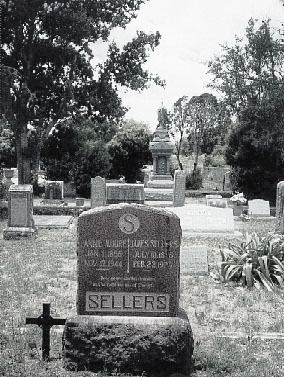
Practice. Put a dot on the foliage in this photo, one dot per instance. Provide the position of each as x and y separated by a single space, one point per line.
216 157
255 150
250 77
47 70
204 121
250 71
93 160
129 151
178 125
193 180
7 149
258 261
76 151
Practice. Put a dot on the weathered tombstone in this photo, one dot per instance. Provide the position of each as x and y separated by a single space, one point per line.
202 219
216 201
179 188
20 212
125 193
279 222
98 192
258 207
80 202
194 260
227 185
128 294
54 190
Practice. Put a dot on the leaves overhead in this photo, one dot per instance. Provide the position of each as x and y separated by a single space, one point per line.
251 71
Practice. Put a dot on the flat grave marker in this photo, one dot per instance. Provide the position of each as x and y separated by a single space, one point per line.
199 218
194 260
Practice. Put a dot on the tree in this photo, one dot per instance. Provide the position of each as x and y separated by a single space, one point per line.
202 119
179 125
46 65
255 150
250 75
251 71
76 151
129 151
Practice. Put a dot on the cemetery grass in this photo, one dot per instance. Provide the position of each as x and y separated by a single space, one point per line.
44 270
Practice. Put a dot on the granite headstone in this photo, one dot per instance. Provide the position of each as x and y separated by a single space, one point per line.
279 221
128 294
98 192
125 193
20 212
128 261
179 188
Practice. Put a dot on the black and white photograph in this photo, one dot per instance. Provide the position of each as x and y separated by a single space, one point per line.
141 188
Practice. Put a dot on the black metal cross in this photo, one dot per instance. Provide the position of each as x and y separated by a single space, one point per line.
45 321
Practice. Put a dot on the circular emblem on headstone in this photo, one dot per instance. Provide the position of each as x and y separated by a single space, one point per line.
129 223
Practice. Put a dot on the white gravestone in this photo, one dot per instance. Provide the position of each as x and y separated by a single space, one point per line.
258 207
197 218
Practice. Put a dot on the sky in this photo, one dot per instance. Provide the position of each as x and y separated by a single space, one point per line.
192 32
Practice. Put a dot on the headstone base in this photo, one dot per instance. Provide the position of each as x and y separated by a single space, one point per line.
161 183
13 233
161 346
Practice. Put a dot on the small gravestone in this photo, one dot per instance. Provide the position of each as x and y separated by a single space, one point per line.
194 260
125 193
202 219
279 221
54 190
218 202
98 192
179 188
80 202
258 207
128 294
20 212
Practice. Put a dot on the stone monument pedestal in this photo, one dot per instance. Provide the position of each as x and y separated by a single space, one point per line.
161 346
20 212
161 148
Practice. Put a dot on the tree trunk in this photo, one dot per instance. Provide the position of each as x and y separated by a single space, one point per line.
195 160
23 159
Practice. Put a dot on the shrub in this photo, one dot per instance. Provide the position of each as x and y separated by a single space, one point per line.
193 180
258 261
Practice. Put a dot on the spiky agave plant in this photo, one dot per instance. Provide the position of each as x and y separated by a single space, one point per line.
257 261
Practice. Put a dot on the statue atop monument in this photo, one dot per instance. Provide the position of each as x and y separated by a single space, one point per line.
163 118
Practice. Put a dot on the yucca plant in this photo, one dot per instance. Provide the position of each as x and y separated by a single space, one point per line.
257 261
